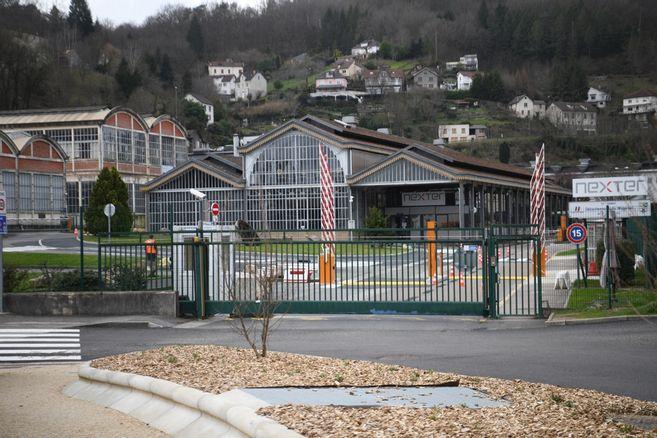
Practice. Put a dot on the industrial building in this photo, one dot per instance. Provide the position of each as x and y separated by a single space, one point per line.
141 148
33 173
273 182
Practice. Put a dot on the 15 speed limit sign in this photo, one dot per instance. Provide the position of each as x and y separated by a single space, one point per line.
576 233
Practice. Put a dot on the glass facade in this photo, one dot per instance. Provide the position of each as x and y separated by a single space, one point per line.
9 182
72 197
175 195
284 186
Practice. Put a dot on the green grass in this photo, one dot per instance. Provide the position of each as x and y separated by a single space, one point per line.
39 259
135 238
316 249
591 302
568 252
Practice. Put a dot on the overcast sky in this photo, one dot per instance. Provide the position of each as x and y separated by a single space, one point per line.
134 11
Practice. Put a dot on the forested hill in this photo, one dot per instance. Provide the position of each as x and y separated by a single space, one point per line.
62 58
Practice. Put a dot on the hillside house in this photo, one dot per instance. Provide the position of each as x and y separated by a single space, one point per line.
250 86
573 116
331 81
525 107
383 81
205 103
597 97
425 77
224 68
639 105
366 48
348 68
462 133
465 62
464 79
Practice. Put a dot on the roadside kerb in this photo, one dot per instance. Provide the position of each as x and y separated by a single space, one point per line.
554 321
176 409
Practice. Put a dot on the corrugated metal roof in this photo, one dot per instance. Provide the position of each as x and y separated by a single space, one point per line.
53 116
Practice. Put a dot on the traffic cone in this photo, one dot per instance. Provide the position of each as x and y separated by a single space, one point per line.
508 251
461 279
75 232
451 272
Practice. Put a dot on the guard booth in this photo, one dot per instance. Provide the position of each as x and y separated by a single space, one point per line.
220 261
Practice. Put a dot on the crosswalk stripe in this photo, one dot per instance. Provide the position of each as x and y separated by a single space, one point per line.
40 345
37 358
20 330
2 339
60 351
37 335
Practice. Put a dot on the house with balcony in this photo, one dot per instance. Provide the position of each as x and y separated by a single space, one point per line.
640 105
573 117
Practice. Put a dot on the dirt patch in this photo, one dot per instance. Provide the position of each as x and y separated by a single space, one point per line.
536 409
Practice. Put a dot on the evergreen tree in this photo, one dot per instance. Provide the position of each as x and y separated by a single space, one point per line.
483 14
568 81
195 36
79 17
127 80
194 117
505 152
109 188
488 87
166 72
186 82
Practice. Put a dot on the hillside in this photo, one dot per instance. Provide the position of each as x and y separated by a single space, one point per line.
48 59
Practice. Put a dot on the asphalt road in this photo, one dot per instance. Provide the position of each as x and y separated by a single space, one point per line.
45 241
617 357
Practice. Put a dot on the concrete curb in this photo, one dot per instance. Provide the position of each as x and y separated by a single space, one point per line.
552 321
176 409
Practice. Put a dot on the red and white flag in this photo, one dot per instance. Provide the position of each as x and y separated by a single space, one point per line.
327 200
537 195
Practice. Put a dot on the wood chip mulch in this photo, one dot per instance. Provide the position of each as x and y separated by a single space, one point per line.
534 410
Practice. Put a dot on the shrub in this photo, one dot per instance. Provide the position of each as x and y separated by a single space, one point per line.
68 281
625 251
128 277
15 280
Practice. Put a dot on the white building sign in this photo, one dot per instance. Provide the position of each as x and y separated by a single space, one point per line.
414 199
598 210
610 187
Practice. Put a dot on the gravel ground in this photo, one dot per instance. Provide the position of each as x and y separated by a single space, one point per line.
32 405
535 409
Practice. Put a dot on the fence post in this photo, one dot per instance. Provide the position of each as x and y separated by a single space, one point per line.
492 275
81 236
608 242
100 275
200 276
539 278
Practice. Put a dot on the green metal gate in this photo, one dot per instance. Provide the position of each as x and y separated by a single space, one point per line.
468 271
514 264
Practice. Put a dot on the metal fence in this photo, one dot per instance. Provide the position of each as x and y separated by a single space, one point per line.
453 271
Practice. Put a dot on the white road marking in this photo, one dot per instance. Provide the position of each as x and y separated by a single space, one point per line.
38 358
40 345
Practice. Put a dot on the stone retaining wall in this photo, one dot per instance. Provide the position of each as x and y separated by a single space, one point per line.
157 303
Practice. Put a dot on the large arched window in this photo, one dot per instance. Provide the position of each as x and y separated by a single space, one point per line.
284 186
292 159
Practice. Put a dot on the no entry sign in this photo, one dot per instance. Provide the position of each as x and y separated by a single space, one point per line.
214 209
576 233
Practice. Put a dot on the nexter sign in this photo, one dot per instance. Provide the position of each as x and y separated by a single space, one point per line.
621 186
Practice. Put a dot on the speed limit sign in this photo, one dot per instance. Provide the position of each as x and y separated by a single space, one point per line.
576 233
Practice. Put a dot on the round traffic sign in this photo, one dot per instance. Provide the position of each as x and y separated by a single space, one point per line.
576 233
109 210
215 209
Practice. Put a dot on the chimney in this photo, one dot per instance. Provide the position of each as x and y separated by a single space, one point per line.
236 145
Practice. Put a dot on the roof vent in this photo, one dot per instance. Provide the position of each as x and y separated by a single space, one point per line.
439 142
383 130
584 164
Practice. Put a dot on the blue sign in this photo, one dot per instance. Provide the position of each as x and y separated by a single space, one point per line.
3 224
576 233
